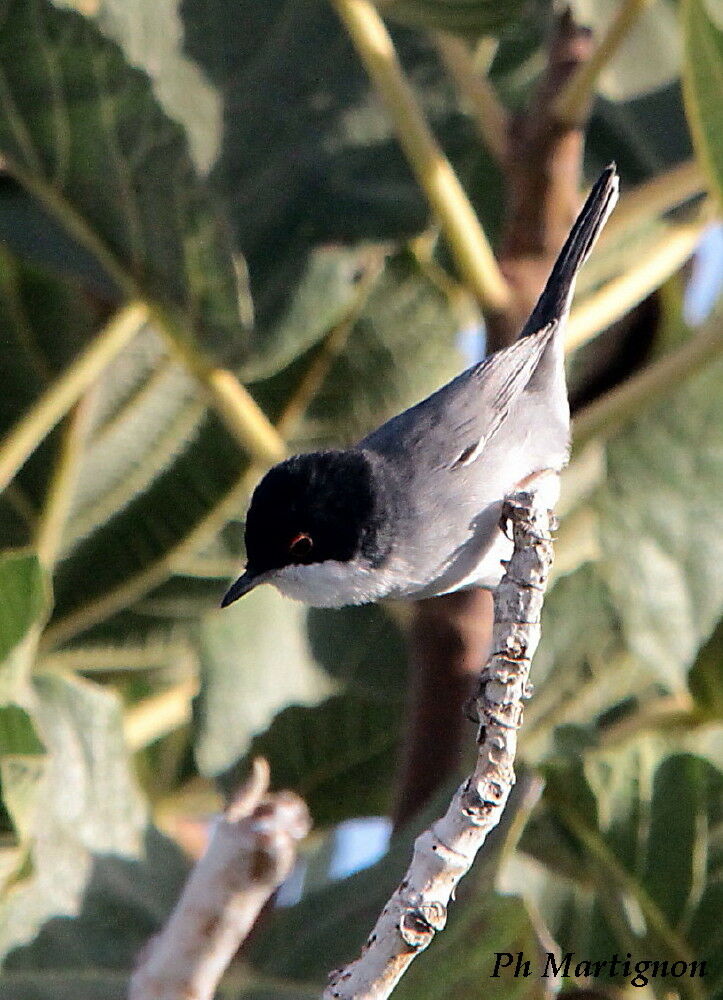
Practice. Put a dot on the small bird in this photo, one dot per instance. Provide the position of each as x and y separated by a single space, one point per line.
414 509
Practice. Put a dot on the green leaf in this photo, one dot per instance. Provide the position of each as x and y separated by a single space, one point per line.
255 660
662 537
400 350
151 38
648 57
21 597
340 756
81 131
640 829
87 803
17 733
581 669
287 325
705 679
362 647
703 79
58 984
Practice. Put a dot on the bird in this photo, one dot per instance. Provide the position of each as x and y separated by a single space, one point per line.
413 510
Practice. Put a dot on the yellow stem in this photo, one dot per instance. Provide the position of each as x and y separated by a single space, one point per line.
488 112
61 395
571 106
62 484
153 575
606 414
330 348
242 416
468 243
648 201
159 714
616 298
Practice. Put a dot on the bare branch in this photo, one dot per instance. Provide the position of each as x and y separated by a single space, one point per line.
251 852
444 853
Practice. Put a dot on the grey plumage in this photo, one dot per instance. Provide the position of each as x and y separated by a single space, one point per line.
434 476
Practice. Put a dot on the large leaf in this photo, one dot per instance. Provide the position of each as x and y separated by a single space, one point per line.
703 75
255 660
474 17
662 553
308 160
81 131
340 756
91 952
151 37
620 823
648 57
86 803
581 669
361 647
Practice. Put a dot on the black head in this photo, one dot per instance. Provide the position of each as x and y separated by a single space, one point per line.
311 508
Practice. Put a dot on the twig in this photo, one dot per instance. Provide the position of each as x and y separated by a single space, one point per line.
488 112
467 241
251 852
653 198
619 295
606 414
572 105
444 853
159 714
330 348
49 534
61 395
240 413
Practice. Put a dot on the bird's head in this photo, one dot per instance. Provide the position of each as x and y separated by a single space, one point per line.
315 521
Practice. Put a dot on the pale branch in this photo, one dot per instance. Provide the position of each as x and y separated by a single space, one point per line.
467 242
252 850
444 853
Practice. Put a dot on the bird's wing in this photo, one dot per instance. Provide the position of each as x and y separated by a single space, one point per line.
454 424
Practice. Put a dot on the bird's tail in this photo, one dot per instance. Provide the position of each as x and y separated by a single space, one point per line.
556 298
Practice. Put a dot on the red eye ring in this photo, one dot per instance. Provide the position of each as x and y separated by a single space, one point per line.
301 545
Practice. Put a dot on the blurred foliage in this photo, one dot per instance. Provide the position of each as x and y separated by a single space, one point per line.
228 165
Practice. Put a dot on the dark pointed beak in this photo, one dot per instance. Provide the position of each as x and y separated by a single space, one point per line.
242 586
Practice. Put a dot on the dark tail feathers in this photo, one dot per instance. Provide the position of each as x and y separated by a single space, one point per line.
555 300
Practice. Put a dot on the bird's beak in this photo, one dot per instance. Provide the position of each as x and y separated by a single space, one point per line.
243 585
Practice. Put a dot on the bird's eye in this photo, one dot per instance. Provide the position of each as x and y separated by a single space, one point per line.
300 547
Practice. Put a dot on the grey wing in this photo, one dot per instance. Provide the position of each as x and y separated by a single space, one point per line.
453 426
